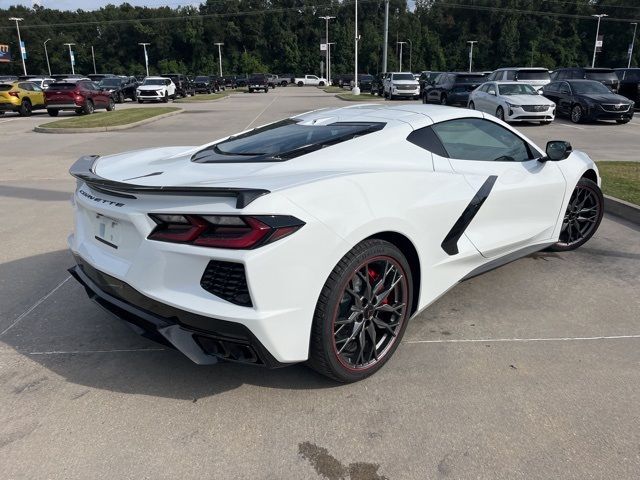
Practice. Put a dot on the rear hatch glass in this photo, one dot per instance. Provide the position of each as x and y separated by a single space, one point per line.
602 75
62 86
533 75
470 78
5 87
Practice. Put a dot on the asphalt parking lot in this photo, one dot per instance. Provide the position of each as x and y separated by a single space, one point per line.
531 371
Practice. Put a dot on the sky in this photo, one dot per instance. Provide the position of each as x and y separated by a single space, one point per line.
94 4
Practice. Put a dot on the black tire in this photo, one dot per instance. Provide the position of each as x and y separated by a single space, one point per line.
424 98
1 113
321 84
301 84
111 105
25 108
88 108
120 98
576 114
472 105
500 113
140 100
251 90
582 217
623 121
165 99
546 122
443 99
378 316
53 112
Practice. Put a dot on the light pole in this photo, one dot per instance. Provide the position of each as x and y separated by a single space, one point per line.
410 55
46 54
595 44
146 57
471 44
71 59
633 41
326 18
356 88
16 19
386 36
400 56
220 55
93 56
329 60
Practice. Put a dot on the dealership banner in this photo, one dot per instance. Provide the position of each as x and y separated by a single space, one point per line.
5 53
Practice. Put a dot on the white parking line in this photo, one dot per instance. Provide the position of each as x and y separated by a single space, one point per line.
260 114
549 339
570 126
34 306
6 121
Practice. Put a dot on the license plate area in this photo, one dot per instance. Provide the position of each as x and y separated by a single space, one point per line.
107 231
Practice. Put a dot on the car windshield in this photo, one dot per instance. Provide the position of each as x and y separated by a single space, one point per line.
516 89
602 75
589 87
403 76
154 81
470 79
110 82
533 75
281 141
202 79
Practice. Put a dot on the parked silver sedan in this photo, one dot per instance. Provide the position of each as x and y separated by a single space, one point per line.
512 102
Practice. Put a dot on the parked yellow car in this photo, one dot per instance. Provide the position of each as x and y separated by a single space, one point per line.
21 97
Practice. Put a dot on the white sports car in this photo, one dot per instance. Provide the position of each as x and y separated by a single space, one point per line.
318 237
512 102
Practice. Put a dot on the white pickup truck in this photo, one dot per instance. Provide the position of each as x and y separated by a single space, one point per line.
310 80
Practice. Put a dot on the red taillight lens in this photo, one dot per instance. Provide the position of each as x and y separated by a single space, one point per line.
223 231
15 94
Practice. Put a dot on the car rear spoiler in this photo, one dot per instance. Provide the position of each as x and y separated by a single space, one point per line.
83 170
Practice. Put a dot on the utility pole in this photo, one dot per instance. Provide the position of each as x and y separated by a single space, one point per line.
329 60
20 46
595 45
633 41
93 56
400 56
46 54
220 55
471 44
386 36
146 57
356 88
326 18
71 58
410 54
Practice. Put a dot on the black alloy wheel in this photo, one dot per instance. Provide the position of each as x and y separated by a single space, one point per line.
111 105
500 113
576 114
87 108
362 312
25 108
120 97
582 217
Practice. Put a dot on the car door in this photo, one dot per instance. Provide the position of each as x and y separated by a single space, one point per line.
491 99
100 97
37 96
521 197
565 98
433 95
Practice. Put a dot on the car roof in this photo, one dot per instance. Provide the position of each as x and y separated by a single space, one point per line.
523 68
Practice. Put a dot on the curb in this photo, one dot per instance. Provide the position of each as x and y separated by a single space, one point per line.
375 99
620 208
204 101
107 129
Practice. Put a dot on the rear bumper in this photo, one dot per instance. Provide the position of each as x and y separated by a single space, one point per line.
204 340
62 106
8 107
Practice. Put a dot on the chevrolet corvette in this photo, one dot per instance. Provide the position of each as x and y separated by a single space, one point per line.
317 238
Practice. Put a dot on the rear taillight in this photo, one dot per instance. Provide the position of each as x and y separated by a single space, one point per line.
15 94
223 231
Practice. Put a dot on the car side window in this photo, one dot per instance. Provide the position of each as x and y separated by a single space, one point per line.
551 87
481 140
427 139
565 88
25 86
491 89
511 75
35 88
492 77
167 82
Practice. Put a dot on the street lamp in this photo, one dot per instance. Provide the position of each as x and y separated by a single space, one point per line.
93 56
633 41
16 19
595 45
73 71
356 88
471 44
146 57
326 18
46 54
220 55
400 56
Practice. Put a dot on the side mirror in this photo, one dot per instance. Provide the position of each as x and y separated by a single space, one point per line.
557 150
493 92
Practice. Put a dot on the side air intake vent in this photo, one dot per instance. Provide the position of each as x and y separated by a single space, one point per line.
227 280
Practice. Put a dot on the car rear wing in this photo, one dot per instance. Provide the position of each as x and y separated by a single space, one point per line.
83 169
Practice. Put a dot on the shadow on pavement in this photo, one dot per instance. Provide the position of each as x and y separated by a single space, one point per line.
67 323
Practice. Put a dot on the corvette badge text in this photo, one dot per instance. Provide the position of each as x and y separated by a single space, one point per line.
100 200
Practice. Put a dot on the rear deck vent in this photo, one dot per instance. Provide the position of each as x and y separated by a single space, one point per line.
228 281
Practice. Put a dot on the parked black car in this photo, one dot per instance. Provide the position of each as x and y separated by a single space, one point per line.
584 100
203 84
98 77
120 88
377 84
453 88
345 80
183 86
629 84
219 83
606 76
427 80
241 81
258 81
364 82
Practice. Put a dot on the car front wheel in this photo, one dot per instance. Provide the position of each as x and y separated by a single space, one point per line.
111 105
576 114
362 312
582 216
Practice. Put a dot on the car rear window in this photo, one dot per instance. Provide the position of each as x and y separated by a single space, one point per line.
470 78
533 75
5 87
601 75
282 141
62 86
201 79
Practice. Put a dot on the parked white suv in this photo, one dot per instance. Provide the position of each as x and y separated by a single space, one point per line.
534 76
156 89
401 84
